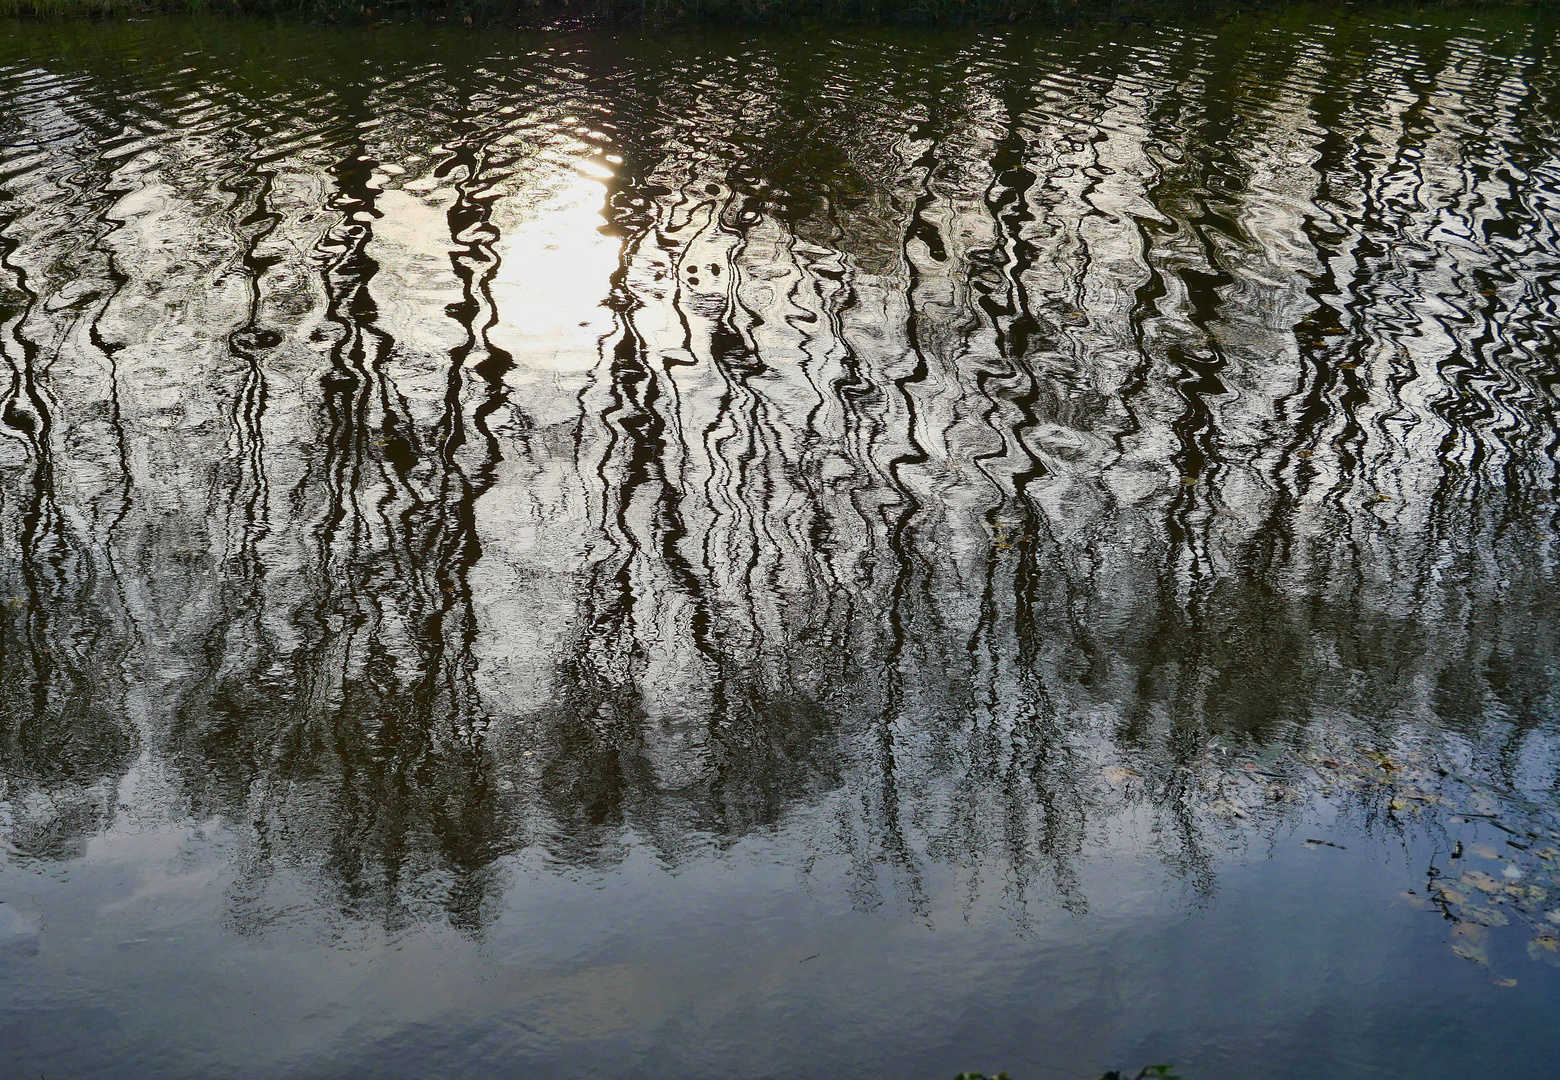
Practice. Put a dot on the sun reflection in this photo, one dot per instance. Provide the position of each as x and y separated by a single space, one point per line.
555 271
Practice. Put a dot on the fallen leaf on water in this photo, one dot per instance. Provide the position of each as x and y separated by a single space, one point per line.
1484 851
1545 948
1478 879
1552 916
1226 809
1449 894
1469 942
1485 916
1398 804
1505 982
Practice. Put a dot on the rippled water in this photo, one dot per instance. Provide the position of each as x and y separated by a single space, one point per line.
780 556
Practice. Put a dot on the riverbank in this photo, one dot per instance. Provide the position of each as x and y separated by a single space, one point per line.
577 13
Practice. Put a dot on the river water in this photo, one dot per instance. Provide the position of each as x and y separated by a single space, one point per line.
798 554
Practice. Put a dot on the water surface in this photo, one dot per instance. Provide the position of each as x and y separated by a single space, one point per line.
790 555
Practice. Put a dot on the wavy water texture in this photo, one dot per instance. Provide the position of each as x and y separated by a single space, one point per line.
981 441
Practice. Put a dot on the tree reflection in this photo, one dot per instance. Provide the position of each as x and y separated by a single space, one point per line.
64 736
972 466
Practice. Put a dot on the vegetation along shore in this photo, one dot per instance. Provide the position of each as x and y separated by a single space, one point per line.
579 13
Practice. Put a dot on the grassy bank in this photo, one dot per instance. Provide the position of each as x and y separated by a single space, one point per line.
670 12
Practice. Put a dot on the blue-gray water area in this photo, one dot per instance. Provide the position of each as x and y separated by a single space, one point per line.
781 554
